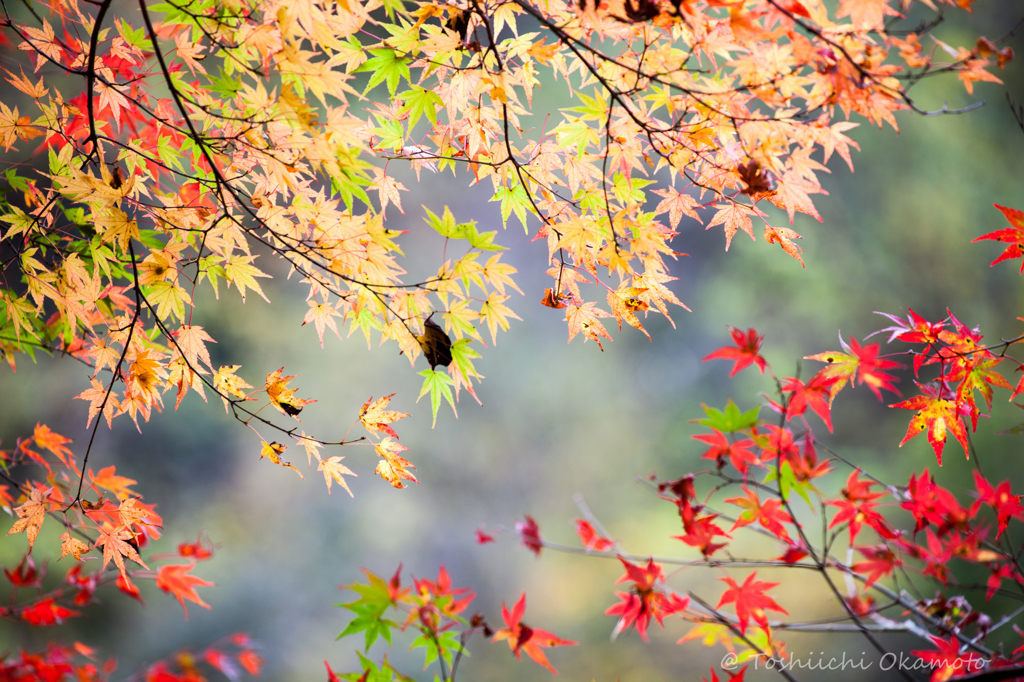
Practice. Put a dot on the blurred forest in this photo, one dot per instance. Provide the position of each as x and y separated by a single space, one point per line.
556 419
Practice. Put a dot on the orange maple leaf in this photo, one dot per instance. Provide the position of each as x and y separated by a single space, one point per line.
282 398
936 415
54 442
108 480
115 548
31 515
174 579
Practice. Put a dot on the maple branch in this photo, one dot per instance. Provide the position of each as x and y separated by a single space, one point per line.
115 372
90 76
944 110
1017 110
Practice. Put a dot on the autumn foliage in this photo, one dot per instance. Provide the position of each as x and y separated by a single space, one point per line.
157 150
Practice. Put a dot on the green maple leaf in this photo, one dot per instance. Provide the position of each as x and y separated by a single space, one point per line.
438 384
513 199
385 65
729 420
420 101
169 299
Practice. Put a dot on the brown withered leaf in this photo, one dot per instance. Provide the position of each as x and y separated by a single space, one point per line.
436 344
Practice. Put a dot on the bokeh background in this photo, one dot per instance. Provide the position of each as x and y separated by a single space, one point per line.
557 419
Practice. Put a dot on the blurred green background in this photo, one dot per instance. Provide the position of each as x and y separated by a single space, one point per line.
556 419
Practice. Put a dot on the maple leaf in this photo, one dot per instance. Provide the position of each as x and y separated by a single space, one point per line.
1013 235
273 451
322 316
783 236
47 612
191 341
739 674
392 466
881 562
175 579
129 588
677 204
590 538
857 507
72 546
375 418
529 534
815 394
768 513
746 352
523 638
435 344
859 363
198 550
978 375
739 452
583 319
55 443
113 541
108 479
647 598
948 661
334 470
31 515
750 600
936 415
225 381
25 574
701 532
282 398
734 217
1004 503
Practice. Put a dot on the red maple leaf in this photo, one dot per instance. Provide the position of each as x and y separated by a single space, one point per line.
590 538
815 394
858 507
646 598
948 661
1013 235
200 550
439 596
733 676
25 574
750 601
746 352
522 638
932 504
701 532
739 452
915 329
881 562
529 532
47 612
1005 504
